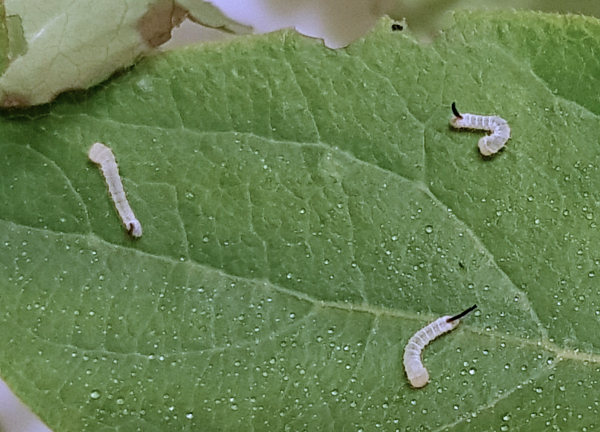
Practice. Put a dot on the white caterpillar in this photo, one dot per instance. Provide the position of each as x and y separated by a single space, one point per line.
489 144
415 371
104 157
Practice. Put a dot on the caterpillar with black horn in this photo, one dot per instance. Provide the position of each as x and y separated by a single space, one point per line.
415 370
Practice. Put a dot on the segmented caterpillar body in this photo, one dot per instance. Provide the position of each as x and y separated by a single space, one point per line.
415 370
103 156
490 144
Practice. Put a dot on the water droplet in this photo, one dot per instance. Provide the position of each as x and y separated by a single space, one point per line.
95 394
428 229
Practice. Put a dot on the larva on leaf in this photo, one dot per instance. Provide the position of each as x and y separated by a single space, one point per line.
489 144
415 370
103 156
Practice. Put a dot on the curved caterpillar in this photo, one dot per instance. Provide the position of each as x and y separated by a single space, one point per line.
103 156
415 371
489 144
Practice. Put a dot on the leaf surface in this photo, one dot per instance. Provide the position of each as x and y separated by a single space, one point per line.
305 211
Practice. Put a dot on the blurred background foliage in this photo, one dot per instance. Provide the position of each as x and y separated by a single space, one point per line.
338 22
427 17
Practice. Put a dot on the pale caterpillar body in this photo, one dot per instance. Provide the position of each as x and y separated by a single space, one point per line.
415 370
489 144
103 156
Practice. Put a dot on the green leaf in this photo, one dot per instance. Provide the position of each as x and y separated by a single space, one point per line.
57 45
305 211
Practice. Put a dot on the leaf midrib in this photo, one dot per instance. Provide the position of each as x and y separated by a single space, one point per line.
377 311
